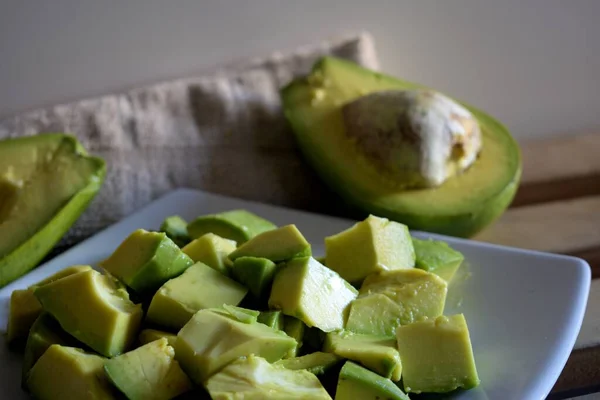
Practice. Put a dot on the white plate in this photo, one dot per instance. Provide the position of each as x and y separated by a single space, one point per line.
524 308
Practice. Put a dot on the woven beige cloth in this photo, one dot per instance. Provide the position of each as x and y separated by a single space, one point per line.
223 132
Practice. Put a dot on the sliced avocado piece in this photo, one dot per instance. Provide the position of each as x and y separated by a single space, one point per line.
176 229
317 363
356 382
150 335
211 250
25 307
420 294
273 319
237 225
311 292
95 309
462 206
211 340
437 355
378 353
253 378
69 373
374 314
198 287
53 180
279 244
437 257
373 245
244 315
255 273
148 372
294 328
146 260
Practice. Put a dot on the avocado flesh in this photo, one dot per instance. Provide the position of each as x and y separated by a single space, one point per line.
211 340
462 206
279 244
197 288
375 314
148 372
253 378
176 229
211 250
437 355
356 382
94 309
150 335
437 257
317 363
255 273
237 225
56 180
294 328
273 319
69 373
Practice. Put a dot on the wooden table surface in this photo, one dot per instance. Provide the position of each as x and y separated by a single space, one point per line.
557 209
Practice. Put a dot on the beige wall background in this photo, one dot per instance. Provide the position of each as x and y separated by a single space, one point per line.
535 64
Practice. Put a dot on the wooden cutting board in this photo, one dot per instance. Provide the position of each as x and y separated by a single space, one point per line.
557 209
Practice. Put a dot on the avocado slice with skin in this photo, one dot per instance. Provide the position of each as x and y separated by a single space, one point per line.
255 273
438 257
211 250
150 335
317 363
176 229
461 206
50 180
356 382
148 372
95 309
237 225
253 378
277 245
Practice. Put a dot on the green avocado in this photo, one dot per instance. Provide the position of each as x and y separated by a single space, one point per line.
437 257
244 315
237 225
46 182
176 229
213 339
319 297
211 250
255 273
437 355
378 353
375 314
294 328
148 372
461 206
317 363
198 287
273 319
253 378
373 245
69 373
95 309
150 335
279 244
356 382
146 260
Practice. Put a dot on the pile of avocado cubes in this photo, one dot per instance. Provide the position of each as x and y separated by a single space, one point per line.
231 306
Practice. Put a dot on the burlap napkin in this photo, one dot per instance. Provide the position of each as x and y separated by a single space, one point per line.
223 133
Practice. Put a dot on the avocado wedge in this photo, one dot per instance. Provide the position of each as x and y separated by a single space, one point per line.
46 182
461 206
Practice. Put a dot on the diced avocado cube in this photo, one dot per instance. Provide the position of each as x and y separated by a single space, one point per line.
317 363
420 294
437 355
148 372
244 315
150 335
93 308
273 319
255 273
176 229
45 332
69 373
237 225
25 307
294 328
374 314
356 382
198 287
373 245
211 250
146 260
253 378
211 340
437 257
279 244
377 353
319 297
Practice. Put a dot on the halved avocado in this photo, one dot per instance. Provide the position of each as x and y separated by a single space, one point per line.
461 206
46 182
